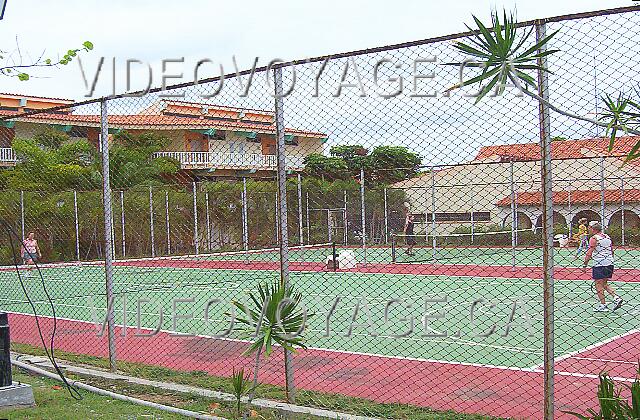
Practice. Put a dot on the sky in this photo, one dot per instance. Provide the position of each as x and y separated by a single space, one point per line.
153 30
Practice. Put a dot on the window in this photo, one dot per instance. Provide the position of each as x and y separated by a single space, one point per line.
236 147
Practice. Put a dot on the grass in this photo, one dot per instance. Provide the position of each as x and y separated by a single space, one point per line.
200 379
54 402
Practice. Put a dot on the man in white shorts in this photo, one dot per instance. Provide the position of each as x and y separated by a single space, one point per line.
601 252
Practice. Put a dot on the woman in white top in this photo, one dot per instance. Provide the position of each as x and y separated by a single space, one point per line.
601 252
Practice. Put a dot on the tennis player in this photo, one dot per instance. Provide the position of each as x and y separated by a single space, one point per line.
410 239
601 253
582 237
30 250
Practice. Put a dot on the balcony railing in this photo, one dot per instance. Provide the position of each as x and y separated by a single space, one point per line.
211 160
7 156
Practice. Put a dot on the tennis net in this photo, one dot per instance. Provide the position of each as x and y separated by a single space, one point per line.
480 247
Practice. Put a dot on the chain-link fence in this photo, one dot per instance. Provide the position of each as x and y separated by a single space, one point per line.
437 242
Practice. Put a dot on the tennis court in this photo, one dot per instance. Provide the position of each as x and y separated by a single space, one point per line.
470 318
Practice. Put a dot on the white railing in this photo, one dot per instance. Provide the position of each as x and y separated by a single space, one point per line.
230 160
7 155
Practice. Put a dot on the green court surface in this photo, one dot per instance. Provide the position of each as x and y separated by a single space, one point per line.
482 320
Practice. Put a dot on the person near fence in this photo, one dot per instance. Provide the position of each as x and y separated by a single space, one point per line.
582 237
600 252
410 239
30 250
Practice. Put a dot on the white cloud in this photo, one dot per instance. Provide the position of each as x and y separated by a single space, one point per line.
153 30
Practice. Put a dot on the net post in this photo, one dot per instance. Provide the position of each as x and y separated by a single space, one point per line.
622 209
166 221
386 218
208 221
108 255
513 216
245 227
300 221
124 238
196 238
393 247
363 217
151 224
22 214
335 255
75 217
433 214
282 213
547 227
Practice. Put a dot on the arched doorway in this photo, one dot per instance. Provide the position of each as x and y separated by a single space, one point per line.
631 220
522 221
590 215
559 221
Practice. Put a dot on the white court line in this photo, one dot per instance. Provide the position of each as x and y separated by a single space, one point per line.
591 347
375 355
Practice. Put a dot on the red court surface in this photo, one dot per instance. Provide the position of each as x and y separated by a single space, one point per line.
497 391
454 270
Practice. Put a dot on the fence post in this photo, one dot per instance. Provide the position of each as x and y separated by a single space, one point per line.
602 189
329 226
108 255
473 227
622 208
345 220
363 217
124 238
282 205
300 221
196 239
22 214
206 203
569 205
151 227
308 222
513 216
245 224
386 218
547 227
75 215
433 214
166 221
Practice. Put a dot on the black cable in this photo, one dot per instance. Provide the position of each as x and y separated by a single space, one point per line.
73 391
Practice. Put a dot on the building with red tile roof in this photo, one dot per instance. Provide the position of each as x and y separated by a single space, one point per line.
589 180
209 140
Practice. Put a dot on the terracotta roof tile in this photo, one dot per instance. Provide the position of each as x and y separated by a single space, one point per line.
150 121
534 198
562 149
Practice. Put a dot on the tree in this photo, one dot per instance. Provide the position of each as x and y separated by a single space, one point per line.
330 168
504 58
73 164
355 156
383 165
389 164
275 316
131 159
14 64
